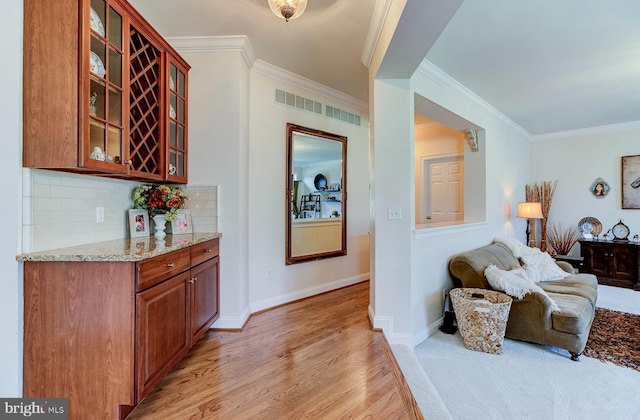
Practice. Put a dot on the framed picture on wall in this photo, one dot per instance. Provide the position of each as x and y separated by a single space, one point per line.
182 224
599 188
138 223
631 182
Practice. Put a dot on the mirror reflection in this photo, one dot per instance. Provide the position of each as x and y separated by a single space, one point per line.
316 196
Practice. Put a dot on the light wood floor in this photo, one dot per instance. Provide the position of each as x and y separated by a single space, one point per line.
315 358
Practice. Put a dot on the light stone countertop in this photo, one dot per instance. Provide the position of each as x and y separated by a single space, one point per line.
128 249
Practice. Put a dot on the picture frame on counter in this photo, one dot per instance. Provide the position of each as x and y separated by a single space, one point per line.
138 223
183 223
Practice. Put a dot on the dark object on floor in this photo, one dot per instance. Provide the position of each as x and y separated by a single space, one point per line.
449 325
614 338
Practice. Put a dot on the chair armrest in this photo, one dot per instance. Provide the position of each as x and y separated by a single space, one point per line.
533 305
566 267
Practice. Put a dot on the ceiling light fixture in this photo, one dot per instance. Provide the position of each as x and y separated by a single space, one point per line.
288 9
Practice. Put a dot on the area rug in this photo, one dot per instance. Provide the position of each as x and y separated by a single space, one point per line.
615 338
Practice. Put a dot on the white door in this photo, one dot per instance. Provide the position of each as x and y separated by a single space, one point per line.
442 193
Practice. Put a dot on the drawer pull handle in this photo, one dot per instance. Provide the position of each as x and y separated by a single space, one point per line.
207 250
171 265
193 279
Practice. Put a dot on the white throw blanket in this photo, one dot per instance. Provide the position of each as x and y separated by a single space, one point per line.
538 265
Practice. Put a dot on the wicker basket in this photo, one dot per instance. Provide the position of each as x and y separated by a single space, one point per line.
482 318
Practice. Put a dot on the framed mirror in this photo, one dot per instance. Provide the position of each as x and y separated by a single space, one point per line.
316 196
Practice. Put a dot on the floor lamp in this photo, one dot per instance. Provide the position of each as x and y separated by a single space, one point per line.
529 211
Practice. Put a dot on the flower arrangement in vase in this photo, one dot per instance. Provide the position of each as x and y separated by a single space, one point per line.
161 201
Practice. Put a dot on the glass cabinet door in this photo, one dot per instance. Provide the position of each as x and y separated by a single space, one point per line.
177 147
105 95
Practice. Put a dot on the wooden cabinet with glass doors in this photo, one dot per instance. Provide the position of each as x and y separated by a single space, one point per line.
177 139
104 93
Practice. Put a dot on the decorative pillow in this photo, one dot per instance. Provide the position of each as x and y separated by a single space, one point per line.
517 248
515 283
541 267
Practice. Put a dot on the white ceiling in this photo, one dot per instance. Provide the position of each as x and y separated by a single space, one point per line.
549 65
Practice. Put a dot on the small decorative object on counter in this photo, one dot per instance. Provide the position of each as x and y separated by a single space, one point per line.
636 238
160 223
159 200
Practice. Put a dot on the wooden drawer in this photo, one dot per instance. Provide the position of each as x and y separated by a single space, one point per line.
154 270
204 251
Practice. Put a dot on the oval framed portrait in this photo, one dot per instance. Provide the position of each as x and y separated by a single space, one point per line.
600 188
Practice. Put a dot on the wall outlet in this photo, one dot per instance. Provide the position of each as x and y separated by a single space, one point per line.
99 214
269 274
395 213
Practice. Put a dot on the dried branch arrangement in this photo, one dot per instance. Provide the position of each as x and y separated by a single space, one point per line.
543 194
561 238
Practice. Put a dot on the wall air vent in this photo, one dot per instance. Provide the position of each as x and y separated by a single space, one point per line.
296 101
338 114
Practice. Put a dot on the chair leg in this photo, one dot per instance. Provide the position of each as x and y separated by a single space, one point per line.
575 356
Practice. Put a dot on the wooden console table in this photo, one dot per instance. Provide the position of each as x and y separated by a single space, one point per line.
615 263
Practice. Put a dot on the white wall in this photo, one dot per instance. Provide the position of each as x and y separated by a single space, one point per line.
412 266
505 150
576 161
219 155
11 174
267 198
237 135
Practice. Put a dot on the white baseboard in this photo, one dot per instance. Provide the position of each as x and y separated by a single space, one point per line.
304 293
385 323
231 322
427 332
237 322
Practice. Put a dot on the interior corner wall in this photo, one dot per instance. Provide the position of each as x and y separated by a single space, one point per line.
392 184
11 292
576 161
271 281
219 155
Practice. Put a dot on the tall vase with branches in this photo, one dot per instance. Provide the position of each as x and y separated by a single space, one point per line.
541 193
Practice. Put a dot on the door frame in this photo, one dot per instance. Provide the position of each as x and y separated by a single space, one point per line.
421 189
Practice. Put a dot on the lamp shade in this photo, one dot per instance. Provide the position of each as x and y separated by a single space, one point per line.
529 210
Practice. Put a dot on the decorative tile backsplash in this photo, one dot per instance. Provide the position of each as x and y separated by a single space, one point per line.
203 202
59 209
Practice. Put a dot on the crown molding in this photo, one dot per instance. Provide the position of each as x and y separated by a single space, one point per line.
586 131
375 29
241 44
434 73
203 44
308 84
